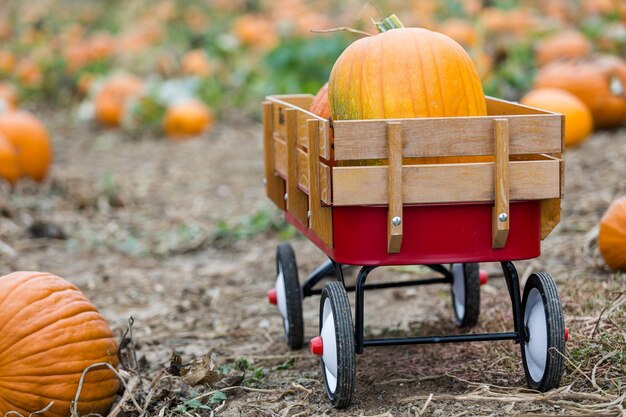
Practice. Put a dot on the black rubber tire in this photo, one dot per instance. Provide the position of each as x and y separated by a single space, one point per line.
471 273
344 335
286 259
555 325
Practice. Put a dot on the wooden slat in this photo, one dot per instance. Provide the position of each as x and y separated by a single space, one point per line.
394 146
298 100
297 201
280 158
445 183
321 220
274 185
500 215
447 136
550 215
325 138
497 107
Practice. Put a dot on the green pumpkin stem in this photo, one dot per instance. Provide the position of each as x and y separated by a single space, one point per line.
388 23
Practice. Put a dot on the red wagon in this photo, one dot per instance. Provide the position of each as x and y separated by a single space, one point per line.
447 193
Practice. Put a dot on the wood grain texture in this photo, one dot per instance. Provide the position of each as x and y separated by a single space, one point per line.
394 185
445 183
274 185
280 157
297 200
446 136
500 229
321 220
497 107
550 215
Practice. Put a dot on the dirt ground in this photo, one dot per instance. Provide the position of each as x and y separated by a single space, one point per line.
164 233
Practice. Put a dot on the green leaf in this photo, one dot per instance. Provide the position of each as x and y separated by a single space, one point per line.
217 397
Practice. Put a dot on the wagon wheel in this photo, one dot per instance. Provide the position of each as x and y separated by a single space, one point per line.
288 295
335 345
542 352
465 292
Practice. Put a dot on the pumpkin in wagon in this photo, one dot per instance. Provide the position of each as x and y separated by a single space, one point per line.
406 73
50 334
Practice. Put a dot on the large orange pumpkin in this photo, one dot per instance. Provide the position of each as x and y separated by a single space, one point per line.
599 82
320 105
612 235
50 334
403 73
9 165
29 136
578 120
186 119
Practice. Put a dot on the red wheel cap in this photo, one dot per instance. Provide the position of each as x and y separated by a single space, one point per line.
317 346
566 334
271 296
484 277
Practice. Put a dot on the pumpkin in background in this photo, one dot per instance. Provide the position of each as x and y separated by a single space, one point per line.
404 73
460 30
9 97
110 102
612 235
186 119
196 62
563 45
9 165
50 334
578 120
320 105
599 82
256 31
29 136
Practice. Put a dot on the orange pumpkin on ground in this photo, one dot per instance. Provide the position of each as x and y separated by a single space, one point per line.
9 165
111 101
7 61
51 334
29 136
320 104
9 97
460 30
186 119
403 73
578 120
196 62
612 235
256 31
563 45
600 83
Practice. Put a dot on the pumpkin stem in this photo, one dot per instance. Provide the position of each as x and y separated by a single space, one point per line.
388 23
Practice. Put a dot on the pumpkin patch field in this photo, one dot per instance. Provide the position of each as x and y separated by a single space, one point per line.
138 242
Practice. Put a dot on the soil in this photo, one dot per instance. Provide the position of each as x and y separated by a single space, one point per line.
146 227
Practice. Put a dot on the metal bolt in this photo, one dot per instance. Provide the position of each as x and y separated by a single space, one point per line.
285 197
396 221
308 214
503 217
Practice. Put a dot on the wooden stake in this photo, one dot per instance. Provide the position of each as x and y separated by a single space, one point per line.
274 185
500 230
321 220
297 201
394 218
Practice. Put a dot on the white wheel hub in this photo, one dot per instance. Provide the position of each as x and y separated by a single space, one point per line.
281 297
536 348
329 337
458 289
